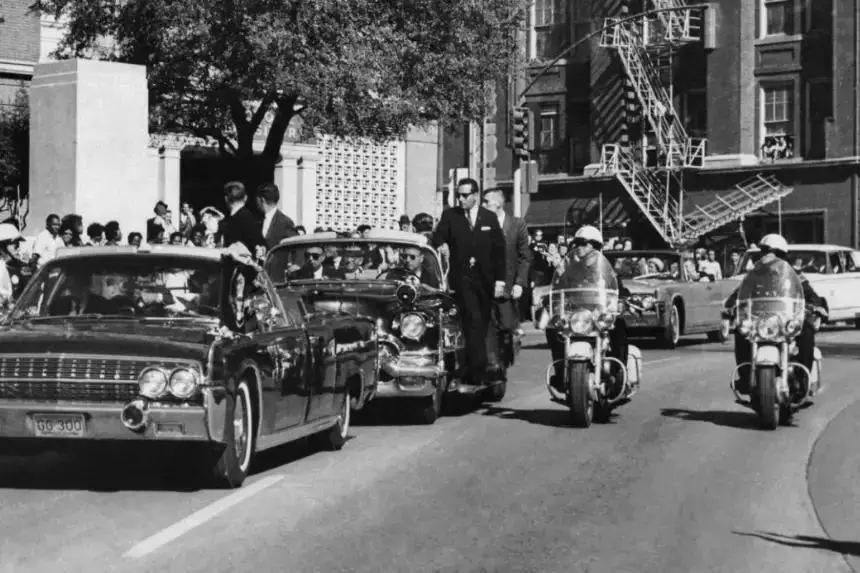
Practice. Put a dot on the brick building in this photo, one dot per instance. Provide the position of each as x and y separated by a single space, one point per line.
747 99
19 48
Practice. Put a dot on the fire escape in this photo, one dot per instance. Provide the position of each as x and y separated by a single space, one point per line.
646 48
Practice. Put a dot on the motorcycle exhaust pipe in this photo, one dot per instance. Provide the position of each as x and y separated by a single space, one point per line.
134 415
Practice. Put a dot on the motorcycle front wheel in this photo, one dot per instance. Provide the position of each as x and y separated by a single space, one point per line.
579 400
769 406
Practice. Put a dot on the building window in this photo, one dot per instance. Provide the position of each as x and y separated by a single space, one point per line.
695 113
778 17
777 122
548 126
551 32
579 128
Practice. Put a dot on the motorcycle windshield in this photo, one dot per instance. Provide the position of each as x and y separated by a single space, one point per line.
584 284
771 288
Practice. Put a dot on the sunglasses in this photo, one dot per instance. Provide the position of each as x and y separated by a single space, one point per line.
464 195
579 243
313 256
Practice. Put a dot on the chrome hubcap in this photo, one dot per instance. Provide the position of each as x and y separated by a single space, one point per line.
240 436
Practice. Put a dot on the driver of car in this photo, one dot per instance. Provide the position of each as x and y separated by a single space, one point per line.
775 246
351 265
411 261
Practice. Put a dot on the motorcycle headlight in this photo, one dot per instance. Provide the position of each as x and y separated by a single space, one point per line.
745 327
581 322
153 382
183 383
648 302
605 320
413 326
769 327
792 327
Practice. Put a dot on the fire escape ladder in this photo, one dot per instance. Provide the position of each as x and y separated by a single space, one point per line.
681 26
748 196
628 41
648 188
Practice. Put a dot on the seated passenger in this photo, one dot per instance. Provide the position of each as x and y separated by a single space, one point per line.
412 263
109 295
314 267
351 263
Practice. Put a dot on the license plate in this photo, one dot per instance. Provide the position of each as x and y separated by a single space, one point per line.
59 425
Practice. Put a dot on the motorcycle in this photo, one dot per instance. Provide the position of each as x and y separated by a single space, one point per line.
770 312
583 306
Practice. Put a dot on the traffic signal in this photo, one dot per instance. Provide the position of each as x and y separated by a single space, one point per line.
522 139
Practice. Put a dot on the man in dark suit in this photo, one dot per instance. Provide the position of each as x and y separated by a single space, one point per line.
477 270
276 225
315 268
240 225
518 259
412 262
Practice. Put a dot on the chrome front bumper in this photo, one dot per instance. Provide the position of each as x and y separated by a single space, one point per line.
103 421
412 375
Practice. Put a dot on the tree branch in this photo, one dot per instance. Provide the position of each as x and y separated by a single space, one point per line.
262 109
275 138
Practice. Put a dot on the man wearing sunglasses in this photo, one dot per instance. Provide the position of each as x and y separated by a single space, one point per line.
476 273
314 267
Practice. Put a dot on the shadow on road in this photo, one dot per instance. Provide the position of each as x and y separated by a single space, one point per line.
542 417
729 419
850 548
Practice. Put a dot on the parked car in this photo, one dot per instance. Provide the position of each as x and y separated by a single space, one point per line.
395 279
666 299
179 345
833 271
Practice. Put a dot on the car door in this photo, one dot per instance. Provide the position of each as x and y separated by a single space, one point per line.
826 283
293 364
324 372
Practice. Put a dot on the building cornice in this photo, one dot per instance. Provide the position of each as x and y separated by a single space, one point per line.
16 67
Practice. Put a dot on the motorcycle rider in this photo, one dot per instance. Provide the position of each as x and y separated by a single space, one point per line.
774 246
587 244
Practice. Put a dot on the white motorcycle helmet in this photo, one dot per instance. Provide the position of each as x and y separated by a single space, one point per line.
590 234
776 243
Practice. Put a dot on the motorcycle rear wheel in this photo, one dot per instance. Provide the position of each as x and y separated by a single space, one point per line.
579 400
769 405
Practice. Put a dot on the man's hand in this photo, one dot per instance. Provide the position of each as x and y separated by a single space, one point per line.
516 292
499 291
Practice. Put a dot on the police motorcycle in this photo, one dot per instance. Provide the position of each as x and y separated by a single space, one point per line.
583 306
770 312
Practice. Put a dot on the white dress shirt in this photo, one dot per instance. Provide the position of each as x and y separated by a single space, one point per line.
267 221
46 246
501 215
318 274
473 214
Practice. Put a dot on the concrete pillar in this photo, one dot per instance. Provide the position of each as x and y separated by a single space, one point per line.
306 210
170 178
420 170
287 180
89 133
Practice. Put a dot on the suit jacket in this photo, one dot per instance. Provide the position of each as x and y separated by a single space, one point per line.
282 227
518 254
242 227
485 244
328 271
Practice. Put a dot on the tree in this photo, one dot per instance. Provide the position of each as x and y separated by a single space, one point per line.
14 157
349 68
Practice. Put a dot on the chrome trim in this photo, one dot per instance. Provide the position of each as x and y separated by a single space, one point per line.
135 410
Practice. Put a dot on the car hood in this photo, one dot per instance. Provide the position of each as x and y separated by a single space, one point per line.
120 338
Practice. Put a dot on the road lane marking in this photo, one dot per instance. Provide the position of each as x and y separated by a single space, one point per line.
198 518
659 360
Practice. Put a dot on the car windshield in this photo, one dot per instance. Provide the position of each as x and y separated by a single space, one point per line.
804 261
136 285
354 260
633 264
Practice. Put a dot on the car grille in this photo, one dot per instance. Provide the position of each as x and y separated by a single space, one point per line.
71 391
68 377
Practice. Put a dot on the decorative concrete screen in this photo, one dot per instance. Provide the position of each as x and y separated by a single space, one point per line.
359 183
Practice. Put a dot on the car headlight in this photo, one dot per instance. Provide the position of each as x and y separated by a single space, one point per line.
153 382
792 327
769 327
648 302
581 322
183 383
413 326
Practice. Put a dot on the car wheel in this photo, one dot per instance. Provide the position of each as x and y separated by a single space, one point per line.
334 438
672 331
497 392
231 467
431 408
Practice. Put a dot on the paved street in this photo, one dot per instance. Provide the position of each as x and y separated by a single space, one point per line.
680 481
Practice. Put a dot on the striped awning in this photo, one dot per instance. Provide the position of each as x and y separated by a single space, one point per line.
577 211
